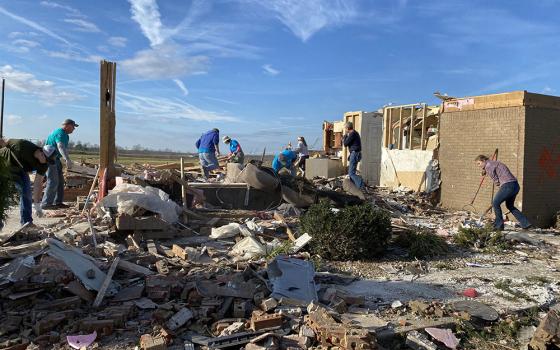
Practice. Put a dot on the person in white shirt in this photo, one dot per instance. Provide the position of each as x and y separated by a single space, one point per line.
302 151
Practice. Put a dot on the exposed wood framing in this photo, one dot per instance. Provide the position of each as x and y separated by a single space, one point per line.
401 123
411 128
423 137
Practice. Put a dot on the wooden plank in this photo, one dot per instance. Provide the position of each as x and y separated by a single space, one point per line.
280 217
179 252
152 249
411 128
106 283
183 186
131 267
423 137
400 128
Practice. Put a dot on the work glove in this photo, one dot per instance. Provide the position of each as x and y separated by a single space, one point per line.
37 211
69 164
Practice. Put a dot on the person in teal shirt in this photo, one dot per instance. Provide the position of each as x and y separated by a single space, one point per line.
285 160
236 154
54 192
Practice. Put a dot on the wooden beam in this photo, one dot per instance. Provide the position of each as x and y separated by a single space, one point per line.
411 129
423 137
107 119
386 126
401 131
106 283
183 187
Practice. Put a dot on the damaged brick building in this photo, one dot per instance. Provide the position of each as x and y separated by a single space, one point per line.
523 127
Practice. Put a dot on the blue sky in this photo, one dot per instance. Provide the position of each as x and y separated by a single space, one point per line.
261 71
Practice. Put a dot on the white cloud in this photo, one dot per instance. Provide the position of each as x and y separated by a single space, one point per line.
14 35
83 25
22 45
26 43
306 17
181 86
164 62
146 14
167 109
117 41
33 25
267 68
73 56
548 90
72 11
14 119
27 83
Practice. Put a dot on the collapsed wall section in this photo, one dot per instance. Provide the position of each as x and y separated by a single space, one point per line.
404 168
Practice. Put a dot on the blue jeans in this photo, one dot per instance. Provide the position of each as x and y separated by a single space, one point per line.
54 193
507 193
209 162
354 159
23 185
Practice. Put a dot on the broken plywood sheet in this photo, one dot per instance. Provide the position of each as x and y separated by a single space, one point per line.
80 264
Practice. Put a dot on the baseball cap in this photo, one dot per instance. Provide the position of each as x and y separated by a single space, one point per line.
226 139
49 151
71 122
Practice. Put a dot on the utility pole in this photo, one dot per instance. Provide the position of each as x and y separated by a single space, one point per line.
2 109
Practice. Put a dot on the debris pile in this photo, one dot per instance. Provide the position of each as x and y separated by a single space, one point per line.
146 267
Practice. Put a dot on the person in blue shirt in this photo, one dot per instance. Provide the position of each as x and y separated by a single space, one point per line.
54 192
285 160
209 151
236 154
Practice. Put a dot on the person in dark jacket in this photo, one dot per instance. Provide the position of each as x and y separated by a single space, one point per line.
24 157
352 141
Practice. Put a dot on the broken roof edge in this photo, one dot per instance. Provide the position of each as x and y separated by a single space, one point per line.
517 98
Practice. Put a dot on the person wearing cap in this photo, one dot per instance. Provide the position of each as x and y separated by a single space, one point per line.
236 154
54 193
24 157
208 146
284 162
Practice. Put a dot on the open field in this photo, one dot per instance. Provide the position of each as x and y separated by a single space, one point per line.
128 159
154 159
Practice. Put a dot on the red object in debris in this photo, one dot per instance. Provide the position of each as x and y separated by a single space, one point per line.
470 292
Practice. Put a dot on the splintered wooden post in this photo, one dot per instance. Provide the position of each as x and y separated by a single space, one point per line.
107 119
183 187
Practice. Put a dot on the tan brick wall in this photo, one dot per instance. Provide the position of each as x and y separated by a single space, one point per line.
542 165
466 134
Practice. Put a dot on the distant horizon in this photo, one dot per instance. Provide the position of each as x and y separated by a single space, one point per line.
263 72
